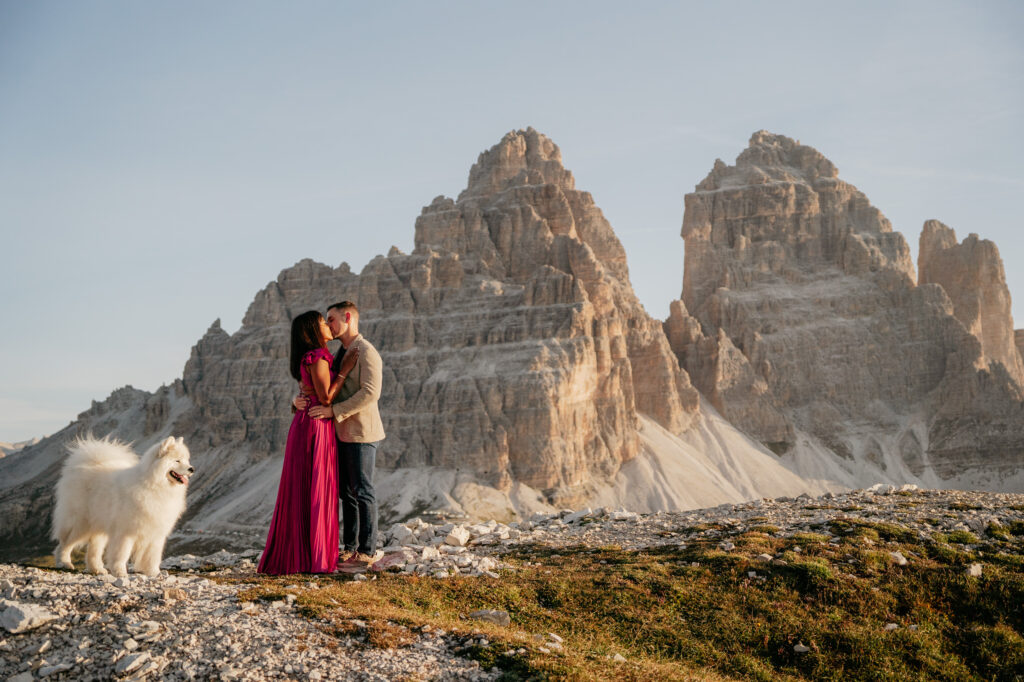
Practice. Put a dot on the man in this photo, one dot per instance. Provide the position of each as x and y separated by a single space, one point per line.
359 430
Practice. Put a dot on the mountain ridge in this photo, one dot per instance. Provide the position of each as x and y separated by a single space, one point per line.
522 374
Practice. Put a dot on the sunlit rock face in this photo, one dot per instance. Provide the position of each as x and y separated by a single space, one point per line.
515 353
533 338
971 273
514 347
800 314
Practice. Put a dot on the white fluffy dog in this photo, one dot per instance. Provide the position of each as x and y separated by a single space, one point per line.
109 498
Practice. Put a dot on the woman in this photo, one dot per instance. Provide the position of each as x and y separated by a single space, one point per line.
303 536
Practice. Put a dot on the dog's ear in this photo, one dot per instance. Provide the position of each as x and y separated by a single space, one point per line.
167 446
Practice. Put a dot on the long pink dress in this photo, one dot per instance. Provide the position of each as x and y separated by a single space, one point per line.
303 536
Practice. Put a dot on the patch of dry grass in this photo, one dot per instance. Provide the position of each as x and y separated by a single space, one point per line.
697 613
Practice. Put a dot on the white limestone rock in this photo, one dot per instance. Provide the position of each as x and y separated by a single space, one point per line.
495 616
17 617
458 536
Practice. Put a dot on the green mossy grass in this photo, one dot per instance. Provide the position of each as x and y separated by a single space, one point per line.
698 613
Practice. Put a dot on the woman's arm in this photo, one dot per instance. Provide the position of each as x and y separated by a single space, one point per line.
320 373
324 411
347 364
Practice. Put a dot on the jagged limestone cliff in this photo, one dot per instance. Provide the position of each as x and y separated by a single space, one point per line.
518 361
521 371
971 273
802 321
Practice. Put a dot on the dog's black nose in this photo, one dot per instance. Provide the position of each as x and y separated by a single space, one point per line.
190 470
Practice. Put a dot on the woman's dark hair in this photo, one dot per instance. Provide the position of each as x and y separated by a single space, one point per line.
305 337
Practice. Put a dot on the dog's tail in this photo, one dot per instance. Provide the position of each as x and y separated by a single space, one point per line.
89 451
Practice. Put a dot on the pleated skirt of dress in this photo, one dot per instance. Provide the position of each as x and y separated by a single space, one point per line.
303 536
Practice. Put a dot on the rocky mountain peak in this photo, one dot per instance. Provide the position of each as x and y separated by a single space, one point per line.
799 286
935 236
522 157
520 211
770 158
971 273
781 215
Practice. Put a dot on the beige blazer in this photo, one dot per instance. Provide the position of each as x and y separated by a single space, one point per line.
356 417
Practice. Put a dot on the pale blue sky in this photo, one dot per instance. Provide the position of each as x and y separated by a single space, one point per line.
161 162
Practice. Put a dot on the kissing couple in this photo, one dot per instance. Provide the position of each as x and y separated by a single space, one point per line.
330 452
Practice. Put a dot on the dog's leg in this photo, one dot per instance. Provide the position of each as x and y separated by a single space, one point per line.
94 555
66 544
118 551
63 554
148 561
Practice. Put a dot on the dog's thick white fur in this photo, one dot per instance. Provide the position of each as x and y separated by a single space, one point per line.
110 499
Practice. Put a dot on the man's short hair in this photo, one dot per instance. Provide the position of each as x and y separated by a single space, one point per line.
344 306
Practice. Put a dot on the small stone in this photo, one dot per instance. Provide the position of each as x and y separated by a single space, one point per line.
764 557
800 648
174 594
899 558
315 675
974 570
576 516
46 671
18 617
889 627
726 546
492 616
401 534
555 638
619 658
458 536
21 677
130 663
130 644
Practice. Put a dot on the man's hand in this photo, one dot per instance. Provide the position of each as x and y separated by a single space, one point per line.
321 412
300 401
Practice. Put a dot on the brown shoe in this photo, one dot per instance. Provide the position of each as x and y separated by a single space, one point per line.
365 559
345 556
358 563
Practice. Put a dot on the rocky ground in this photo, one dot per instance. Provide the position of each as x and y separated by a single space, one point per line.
187 624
